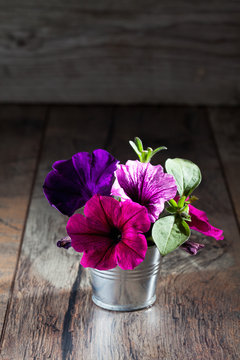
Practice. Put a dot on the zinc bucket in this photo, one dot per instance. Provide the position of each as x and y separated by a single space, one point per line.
127 290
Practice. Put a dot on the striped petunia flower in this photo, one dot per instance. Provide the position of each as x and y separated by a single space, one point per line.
145 184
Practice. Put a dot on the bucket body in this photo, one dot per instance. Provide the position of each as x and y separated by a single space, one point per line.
127 290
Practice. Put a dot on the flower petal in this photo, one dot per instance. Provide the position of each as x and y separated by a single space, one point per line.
131 250
110 233
72 182
62 190
133 215
191 247
145 184
103 209
64 242
118 191
86 234
102 258
96 170
110 212
199 222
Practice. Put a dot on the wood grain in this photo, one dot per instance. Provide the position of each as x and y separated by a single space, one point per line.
120 52
226 128
47 278
20 134
195 316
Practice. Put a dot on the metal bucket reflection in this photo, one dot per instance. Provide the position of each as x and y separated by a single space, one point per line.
127 290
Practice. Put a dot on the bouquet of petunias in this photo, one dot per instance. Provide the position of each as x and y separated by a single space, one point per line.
116 211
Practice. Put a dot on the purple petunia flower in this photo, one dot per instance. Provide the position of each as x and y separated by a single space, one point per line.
110 233
64 243
191 247
145 184
73 182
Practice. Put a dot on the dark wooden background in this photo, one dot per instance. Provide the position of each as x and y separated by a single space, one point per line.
172 52
46 310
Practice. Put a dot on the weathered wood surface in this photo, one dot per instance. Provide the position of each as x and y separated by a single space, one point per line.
120 52
20 134
197 309
226 127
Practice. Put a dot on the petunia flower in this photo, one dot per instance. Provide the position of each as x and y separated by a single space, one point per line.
199 222
191 247
145 184
64 243
73 182
110 233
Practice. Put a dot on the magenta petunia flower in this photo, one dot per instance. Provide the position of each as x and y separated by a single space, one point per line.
191 247
145 184
110 233
73 182
199 222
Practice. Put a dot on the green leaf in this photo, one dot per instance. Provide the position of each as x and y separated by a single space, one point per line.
139 143
135 148
118 198
133 145
185 228
187 175
173 203
186 209
169 233
144 155
192 199
181 202
171 209
153 152
159 149
149 154
185 216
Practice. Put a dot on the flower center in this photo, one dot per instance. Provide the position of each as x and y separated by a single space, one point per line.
138 198
116 235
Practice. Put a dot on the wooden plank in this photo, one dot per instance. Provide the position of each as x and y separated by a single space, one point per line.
43 302
198 298
120 52
195 316
20 135
226 127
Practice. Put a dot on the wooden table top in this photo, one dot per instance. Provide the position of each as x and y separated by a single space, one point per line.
46 310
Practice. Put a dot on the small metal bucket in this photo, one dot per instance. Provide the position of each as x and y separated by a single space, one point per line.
127 290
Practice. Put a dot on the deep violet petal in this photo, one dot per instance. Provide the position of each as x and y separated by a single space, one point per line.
73 182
